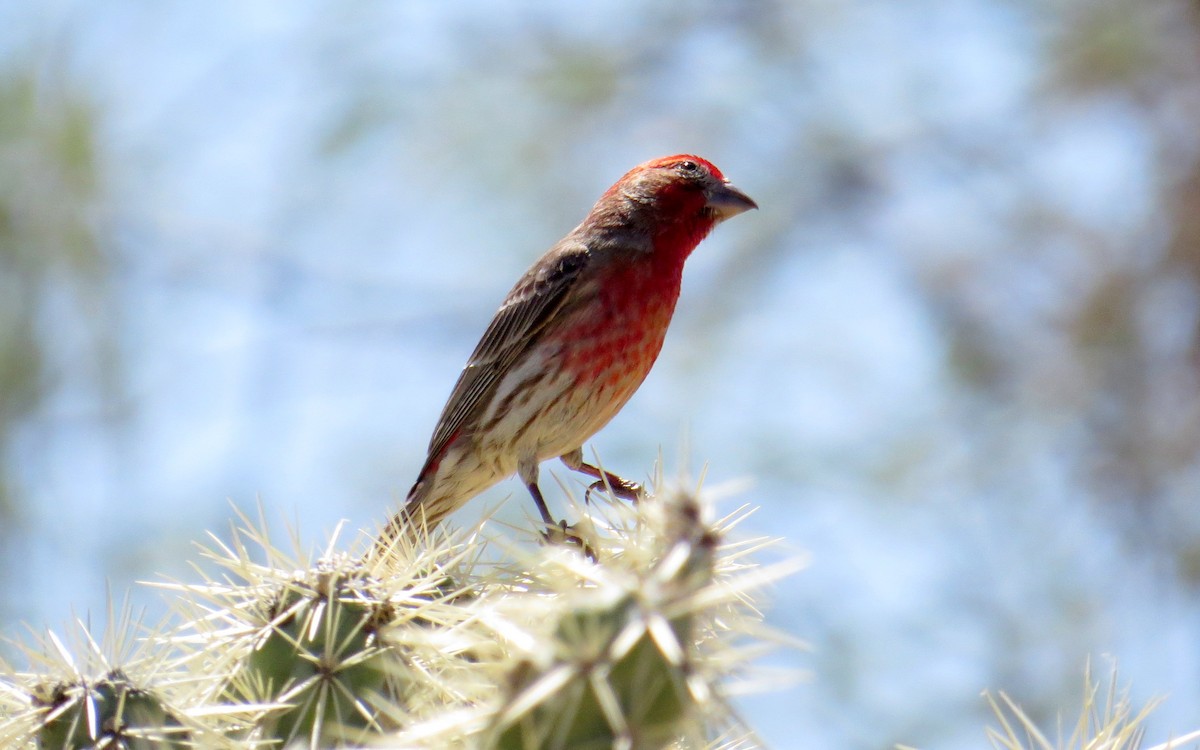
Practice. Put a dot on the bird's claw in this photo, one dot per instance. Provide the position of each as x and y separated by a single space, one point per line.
561 533
622 488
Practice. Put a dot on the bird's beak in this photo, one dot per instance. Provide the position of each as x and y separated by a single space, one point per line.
726 201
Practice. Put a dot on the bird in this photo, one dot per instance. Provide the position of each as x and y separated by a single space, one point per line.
571 342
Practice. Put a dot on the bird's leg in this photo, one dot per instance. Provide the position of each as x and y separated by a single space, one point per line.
605 480
540 502
555 531
528 471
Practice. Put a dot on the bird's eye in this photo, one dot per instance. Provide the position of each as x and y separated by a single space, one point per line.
688 166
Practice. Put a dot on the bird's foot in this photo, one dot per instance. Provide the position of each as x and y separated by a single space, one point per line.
561 533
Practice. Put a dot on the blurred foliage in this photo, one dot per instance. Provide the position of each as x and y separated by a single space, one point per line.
49 244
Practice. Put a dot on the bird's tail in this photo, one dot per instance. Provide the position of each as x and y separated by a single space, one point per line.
409 524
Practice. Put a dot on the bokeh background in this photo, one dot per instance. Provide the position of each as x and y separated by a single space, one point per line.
245 248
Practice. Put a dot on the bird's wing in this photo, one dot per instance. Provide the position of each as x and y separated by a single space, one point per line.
520 320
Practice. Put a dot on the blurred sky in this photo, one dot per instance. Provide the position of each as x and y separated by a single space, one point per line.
955 350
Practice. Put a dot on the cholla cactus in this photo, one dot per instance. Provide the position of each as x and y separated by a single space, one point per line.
1106 722
302 642
627 638
623 645
111 711
624 640
122 694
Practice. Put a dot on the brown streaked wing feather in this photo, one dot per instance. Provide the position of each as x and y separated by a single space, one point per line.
519 321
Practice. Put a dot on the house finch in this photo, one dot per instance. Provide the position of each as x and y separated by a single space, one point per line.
573 340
